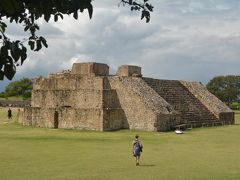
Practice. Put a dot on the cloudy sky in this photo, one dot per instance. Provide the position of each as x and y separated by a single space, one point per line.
191 40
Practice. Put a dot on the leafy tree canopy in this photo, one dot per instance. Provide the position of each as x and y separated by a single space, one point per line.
27 12
22 87
226 88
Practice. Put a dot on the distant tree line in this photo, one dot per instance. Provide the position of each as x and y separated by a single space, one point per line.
22 88
226 88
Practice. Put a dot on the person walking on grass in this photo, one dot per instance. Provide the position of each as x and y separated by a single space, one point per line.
9 113
137 149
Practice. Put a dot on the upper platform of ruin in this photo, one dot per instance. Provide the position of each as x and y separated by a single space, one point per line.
100 69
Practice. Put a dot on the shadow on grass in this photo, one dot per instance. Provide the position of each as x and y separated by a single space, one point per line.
147 165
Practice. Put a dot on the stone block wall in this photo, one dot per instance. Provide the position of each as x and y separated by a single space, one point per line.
86 119
227 117
70 82
167 122
110 99
86 92
114 119
128 70
138 116
142 106
97 69
26 117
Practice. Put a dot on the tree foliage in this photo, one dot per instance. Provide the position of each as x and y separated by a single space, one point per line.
27 12
226 88
145 7
22 87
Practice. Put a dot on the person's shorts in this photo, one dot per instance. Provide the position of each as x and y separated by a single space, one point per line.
136 153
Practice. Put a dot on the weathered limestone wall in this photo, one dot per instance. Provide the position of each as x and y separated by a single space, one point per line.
182 100
68 82
97 69
114 118
85 92
78 101
227 117
27 116
136 112
144 109
56 82
128 70
38 117
113 115
166 122
89 119
65 98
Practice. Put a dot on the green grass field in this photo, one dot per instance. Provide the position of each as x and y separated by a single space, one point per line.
38 153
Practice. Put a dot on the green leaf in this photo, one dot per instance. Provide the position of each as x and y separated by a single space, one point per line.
4 51
39 45
36 26
31 44
15 51
146 14
55 17
75 15
2 26
60 15
9 71
90 10
23 54
47 17
43 41
26 27
142 16
149 6
1 75
2 61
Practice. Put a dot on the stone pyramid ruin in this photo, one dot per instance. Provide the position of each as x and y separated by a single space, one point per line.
87 97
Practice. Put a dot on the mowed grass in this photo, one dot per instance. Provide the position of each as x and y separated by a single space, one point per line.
38 153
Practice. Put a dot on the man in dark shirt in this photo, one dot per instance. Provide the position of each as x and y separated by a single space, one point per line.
9 113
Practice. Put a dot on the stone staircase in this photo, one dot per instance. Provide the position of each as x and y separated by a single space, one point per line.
193 112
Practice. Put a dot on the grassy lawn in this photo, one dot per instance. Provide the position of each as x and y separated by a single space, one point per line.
38 153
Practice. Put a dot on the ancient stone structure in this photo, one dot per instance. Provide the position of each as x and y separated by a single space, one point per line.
87 97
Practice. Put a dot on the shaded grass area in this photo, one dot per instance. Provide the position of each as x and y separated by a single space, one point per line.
38 153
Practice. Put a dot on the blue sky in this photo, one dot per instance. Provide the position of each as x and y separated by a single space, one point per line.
186 39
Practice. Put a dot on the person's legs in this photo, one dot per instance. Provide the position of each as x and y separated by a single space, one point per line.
137 160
